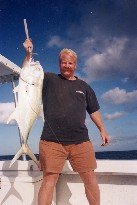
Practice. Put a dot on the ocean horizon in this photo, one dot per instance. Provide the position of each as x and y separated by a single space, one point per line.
112 155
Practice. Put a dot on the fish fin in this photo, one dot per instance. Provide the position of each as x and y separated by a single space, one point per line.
13 116
19 153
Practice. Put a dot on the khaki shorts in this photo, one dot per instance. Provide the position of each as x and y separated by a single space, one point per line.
52 156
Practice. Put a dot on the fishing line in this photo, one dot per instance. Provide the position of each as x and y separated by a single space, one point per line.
27 35
55 137
54 134
65 151
44 116
26 81
88 190
57 141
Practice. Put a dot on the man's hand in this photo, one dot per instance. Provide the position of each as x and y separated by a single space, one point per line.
105 138
28 45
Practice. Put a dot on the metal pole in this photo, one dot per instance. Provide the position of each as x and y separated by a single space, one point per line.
27 33
15 102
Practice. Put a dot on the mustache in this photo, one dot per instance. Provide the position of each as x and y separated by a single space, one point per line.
67 69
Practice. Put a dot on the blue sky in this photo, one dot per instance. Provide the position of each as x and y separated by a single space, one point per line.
104 35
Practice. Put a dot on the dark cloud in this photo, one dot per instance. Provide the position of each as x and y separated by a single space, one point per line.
105 38
112 18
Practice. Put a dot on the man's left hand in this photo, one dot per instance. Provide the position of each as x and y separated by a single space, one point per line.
105 139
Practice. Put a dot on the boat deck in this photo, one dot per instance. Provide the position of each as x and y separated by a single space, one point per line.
117 180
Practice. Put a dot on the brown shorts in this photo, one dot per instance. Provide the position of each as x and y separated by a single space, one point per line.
53 155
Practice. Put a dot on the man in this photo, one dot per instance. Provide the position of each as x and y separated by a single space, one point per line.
65 136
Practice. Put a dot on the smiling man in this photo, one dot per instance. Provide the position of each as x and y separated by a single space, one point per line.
68 62
65 136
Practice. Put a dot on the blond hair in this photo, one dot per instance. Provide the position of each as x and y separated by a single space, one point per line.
69 52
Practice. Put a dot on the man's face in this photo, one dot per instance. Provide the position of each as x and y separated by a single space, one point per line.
67 65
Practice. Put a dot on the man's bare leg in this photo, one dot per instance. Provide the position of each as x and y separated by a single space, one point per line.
45 195
91 187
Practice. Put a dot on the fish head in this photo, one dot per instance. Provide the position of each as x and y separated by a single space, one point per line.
33 72
36 71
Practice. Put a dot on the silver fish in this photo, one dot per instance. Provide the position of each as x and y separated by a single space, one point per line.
29 104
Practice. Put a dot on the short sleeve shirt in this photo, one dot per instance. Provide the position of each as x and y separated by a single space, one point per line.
65 103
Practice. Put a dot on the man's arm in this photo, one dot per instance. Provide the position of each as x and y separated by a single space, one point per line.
29 48
97 119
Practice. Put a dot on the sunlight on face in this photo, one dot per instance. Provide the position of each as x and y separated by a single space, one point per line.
67 65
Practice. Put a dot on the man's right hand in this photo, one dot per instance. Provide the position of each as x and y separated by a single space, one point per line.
29 48
28 45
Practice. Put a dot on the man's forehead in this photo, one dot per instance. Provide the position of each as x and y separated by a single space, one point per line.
66 57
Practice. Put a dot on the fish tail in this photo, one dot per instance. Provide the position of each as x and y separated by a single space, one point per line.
24 150
31 155
19 153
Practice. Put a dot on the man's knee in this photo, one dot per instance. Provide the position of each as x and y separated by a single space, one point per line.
50 180
88 177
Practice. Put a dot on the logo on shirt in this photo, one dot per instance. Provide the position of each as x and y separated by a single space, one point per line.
78 91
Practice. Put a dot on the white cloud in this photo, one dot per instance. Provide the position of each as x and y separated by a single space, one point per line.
124 139
104 60
115 115
119 143
107 62
112 51
5 110
119 96
55 41
104 49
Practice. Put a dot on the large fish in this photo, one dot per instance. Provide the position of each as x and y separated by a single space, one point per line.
29 104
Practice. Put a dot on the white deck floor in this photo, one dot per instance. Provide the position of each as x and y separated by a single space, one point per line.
117 181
